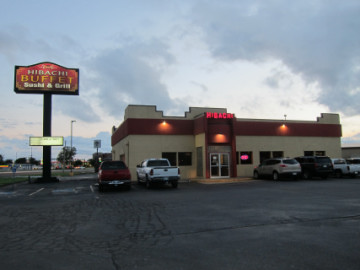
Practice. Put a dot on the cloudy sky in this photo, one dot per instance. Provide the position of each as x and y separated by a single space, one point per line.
258 59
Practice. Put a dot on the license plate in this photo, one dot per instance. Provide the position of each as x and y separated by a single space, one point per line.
116 182
324 166
294 173
166 178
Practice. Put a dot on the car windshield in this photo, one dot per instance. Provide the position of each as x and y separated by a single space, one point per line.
155 163
290 161
353 161
114 165
323 160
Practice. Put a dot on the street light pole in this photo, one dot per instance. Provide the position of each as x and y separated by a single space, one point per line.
71 145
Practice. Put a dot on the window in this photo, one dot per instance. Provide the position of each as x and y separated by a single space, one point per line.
171 156
246 158
185 158
277 154
314 153
264 155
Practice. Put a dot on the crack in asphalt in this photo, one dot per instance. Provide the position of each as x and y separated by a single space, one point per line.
281 222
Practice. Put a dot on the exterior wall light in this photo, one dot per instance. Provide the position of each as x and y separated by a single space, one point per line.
283 125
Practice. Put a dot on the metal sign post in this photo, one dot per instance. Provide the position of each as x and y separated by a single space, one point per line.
97 145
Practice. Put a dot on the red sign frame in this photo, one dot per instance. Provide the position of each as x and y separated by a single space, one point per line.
46 77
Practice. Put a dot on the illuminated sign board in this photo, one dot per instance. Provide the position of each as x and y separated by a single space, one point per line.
216 115
46 78
46 141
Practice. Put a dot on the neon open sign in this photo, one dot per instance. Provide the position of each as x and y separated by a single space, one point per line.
216 115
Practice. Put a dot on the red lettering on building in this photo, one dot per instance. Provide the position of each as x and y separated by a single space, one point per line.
215 115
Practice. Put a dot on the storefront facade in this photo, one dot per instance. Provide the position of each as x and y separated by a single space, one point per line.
212 143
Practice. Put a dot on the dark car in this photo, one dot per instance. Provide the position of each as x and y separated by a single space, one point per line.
315 166
114 174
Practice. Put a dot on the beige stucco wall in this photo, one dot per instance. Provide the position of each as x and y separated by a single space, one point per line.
139 147
291 146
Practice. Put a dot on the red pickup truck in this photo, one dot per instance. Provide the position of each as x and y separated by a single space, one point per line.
114 174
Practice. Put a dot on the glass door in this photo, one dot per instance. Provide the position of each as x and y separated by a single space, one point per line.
219 165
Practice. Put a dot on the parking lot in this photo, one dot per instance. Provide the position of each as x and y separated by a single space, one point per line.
254 224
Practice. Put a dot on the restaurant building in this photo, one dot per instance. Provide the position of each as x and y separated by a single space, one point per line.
213 143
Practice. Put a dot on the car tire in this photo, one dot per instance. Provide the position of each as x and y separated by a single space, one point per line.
338 174
174 184
307 175
101 188
148 184
256 175
275 176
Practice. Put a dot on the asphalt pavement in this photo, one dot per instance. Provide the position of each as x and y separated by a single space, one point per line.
244 224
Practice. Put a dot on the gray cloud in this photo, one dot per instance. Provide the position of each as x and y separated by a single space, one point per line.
132 75
318 40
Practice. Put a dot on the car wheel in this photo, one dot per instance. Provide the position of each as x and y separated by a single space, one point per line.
148 184
275 176
306 175
338 174
101 188
174 184
256 175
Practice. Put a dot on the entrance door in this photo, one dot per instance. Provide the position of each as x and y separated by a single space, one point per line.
219 165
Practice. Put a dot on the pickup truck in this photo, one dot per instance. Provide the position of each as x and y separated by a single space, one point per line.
344 167
157 170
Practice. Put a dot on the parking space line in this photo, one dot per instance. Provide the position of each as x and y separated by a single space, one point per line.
92 189
36 191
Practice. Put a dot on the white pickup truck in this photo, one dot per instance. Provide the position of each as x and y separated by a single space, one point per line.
157 170
348 167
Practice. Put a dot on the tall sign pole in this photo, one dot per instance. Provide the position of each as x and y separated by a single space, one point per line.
47 133
48 79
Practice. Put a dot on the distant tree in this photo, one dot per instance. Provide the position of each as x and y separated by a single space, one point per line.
8 161
21 160
66 155
1 160
34 161
78 163
91 162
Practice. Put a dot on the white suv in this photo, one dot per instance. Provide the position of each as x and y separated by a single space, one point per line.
277 168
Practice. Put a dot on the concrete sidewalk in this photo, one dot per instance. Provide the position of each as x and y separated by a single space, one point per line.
210 181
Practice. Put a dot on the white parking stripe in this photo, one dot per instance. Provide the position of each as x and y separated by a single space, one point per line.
92 189
36 191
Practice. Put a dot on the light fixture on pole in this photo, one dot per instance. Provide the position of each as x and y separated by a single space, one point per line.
71 145
284 121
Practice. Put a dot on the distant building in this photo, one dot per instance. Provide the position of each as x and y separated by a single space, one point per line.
102 156
350 151
212 143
